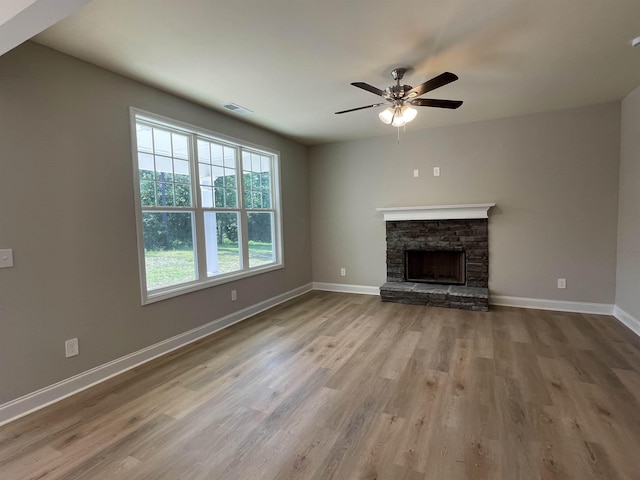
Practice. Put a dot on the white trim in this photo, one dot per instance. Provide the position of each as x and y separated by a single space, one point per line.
196 285
344 288
437 212
46 396
631 322
21 20
502 300
558 305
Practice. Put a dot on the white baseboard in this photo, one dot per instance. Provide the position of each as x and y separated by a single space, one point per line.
344 288
631 322
46 396
558 305
521 302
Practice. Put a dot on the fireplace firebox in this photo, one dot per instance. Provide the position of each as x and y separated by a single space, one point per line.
435 266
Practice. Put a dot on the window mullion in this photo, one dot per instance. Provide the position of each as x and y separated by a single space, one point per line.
244 222
201 250
245 239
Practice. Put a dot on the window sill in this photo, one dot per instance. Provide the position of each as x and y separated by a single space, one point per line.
170 292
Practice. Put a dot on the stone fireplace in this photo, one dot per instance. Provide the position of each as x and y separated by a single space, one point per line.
438 256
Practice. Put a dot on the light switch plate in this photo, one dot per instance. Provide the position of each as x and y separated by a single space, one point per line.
6 258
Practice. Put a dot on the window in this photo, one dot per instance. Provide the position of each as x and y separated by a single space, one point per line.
207 207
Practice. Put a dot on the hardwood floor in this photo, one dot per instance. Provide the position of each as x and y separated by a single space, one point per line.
339 386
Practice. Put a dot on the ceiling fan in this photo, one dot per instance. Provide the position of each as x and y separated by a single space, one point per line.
403 97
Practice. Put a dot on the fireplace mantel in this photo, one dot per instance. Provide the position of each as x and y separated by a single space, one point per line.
436 212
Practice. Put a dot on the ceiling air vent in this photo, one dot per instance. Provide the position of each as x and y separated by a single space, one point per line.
237 108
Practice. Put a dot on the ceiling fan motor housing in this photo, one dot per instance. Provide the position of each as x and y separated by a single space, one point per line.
397 91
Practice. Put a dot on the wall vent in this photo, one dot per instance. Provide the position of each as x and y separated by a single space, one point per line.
237 108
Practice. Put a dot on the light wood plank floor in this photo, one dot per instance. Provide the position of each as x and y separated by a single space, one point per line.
338 386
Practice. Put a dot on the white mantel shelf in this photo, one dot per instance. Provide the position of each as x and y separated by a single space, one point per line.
436 212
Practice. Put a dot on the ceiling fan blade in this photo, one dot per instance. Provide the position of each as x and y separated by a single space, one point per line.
359 108
436 82
368 88
428 102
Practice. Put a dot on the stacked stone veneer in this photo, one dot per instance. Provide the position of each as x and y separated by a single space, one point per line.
470 236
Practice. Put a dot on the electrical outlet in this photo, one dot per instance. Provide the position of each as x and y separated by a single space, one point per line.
436 171
416 173
343 272
562 283
71 347
234 295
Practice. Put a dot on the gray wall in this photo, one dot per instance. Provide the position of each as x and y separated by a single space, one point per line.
67 210
628 277
553 176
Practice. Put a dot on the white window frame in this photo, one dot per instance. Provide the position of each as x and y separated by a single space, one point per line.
202 280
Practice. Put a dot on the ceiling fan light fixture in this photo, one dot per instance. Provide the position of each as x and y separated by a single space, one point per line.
408 113
398 116
386 116
398 121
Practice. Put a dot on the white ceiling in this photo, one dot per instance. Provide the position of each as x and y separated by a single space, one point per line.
291 61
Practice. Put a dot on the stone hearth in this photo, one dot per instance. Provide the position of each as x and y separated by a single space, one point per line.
431 229
434 295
